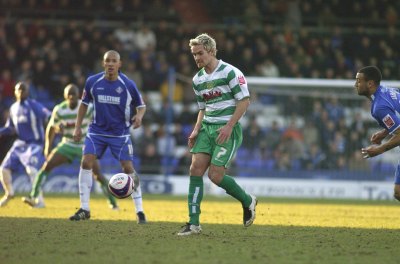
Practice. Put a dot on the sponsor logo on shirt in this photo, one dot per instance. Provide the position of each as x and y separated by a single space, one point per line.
388 121
107 99
211 95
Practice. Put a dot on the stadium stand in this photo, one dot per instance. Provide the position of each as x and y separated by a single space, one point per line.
52 43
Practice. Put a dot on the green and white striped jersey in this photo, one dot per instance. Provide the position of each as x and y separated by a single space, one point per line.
64 116
217 92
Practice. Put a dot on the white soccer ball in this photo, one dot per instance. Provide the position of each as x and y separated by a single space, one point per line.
121 185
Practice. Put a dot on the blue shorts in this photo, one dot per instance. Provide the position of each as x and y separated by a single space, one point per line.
120 147
27 155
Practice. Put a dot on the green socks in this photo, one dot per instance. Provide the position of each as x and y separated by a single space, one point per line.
104 188
194 199
39 179
234 190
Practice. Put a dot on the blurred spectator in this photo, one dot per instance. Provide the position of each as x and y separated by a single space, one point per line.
147 137
357 163
293 15
310 133
166 142
150 160
184 163
6 84
268 69
126 36
253 136
314 158
273 136
145 38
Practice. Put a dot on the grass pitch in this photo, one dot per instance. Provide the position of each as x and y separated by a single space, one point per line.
285 231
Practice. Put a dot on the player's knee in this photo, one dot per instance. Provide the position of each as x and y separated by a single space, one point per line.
215 177
86 164
397 195
5 175
196 170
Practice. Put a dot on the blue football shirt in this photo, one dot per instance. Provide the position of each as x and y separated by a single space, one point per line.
385 108
27 119
114 104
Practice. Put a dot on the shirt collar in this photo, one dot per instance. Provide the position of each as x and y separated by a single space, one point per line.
376 92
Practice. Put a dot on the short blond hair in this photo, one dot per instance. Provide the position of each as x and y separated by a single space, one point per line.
207 41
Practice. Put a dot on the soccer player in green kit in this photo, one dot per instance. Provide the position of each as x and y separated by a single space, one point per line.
223 98
63 120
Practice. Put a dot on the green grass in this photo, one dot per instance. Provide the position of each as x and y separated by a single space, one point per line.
285 231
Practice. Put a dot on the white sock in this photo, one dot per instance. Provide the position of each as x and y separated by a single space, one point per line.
85 186
137 195
6 180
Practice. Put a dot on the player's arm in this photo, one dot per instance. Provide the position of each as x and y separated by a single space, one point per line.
8 129
226 131
377 137
196 129
78 123
50 132
137 119
375 150
48 143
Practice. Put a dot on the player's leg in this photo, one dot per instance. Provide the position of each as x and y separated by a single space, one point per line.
55 159
217 175
98 176
33 159
94 147
122 149
127 167
10 163
397 192
6 181
200 163
220 160
397 183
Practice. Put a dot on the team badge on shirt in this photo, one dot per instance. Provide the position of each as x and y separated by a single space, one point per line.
210 85
388 121
119 90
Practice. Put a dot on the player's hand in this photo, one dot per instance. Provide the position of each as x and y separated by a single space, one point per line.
224 134
371 151
192 138
77 134
137 122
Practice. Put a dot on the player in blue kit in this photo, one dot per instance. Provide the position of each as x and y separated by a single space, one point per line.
385 108
117 105
27 120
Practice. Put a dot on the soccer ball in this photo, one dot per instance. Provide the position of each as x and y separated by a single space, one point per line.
121 185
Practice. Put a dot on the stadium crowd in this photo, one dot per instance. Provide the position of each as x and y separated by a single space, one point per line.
307 39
